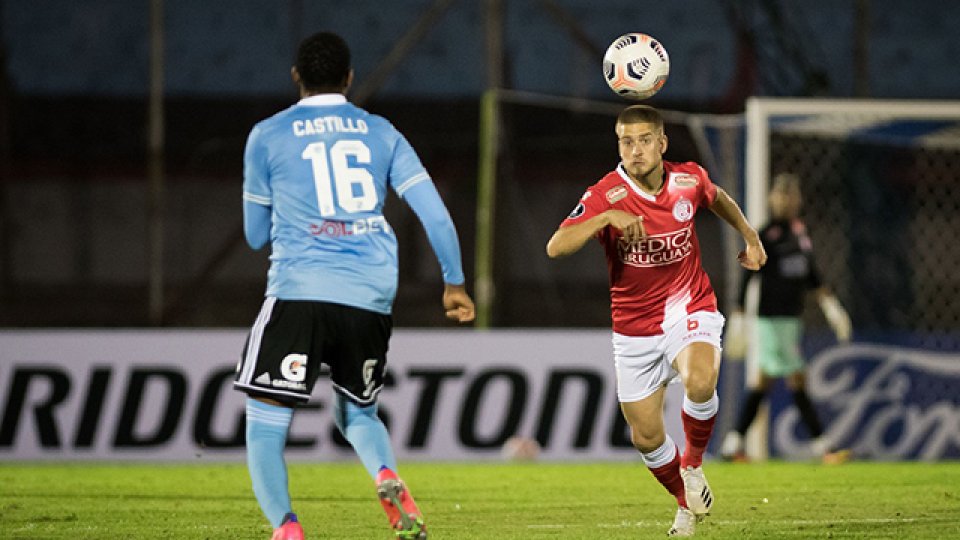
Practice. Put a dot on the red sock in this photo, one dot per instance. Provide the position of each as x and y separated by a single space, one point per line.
698 435
669 476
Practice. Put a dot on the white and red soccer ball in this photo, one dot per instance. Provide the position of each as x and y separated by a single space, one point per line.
636 66
520 449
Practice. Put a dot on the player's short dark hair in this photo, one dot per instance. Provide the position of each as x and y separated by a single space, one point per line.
323 61
641 114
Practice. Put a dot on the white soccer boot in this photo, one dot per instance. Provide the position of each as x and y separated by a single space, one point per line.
699 496
685 524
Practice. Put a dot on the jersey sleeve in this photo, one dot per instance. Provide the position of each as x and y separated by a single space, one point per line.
799 230
589 206
256 171
708 191
406 170
426 203
256 224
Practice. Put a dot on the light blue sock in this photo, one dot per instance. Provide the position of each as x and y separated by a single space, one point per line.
267 427
366 433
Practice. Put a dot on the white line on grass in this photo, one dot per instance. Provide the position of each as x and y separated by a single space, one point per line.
795 522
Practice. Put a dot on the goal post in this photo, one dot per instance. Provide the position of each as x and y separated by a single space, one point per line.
879 180
851 113
489 143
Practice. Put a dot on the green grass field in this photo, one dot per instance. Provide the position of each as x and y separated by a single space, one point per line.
464 501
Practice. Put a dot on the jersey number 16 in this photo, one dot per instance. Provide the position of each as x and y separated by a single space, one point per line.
352 187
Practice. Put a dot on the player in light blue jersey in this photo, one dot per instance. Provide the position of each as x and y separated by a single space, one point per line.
316 176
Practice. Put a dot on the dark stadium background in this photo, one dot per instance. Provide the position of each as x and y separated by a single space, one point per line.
74 87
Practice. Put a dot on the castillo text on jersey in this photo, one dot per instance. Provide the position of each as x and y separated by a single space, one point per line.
328 124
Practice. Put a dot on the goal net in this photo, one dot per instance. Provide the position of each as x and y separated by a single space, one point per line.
881 189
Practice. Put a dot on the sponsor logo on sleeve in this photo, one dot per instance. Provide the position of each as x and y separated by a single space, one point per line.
685 180
616 194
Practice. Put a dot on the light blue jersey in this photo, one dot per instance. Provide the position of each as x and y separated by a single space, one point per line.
322 167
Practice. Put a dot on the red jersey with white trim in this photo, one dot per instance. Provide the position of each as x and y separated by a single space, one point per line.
659 280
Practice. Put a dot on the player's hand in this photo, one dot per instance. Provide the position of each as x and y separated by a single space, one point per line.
629 225
458 304
753 257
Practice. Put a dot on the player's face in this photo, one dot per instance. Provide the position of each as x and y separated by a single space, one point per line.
641 148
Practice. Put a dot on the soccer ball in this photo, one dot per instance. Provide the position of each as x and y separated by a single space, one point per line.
636 66
520 449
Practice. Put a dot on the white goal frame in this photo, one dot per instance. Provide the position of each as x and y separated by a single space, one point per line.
760 110
758 115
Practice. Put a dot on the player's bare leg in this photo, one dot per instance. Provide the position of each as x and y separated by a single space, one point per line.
659 452
699 367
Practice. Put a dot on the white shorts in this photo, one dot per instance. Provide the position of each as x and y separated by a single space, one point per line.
645 363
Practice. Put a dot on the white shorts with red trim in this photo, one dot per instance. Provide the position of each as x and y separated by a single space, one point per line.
645 363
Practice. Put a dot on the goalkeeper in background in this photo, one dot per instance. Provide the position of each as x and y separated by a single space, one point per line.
784 281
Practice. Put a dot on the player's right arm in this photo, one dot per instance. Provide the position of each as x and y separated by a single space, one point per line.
256 224
570 238
257 195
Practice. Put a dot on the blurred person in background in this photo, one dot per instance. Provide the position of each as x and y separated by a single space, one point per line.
316 177
789 275
663 308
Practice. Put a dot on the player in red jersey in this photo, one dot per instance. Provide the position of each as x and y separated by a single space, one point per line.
664 311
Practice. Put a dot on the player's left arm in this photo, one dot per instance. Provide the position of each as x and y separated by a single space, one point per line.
411 183
753 256
426 203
